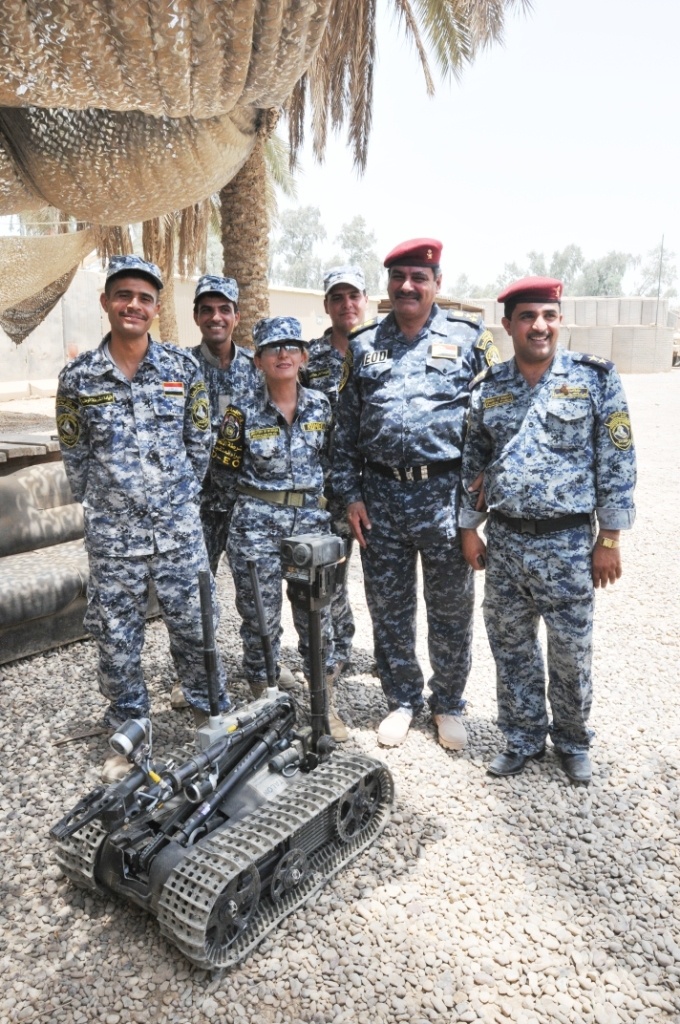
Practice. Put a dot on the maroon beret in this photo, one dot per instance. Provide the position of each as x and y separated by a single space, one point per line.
417 252
532 289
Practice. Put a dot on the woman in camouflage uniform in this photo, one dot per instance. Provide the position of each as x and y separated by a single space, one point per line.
268 464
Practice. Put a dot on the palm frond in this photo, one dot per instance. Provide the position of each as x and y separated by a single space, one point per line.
338 86
193 238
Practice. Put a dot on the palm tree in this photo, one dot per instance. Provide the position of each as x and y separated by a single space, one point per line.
338 86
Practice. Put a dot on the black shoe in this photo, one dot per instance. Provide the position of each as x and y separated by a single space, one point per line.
576 766
510 762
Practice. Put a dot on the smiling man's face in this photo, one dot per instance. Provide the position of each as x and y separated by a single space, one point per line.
131 305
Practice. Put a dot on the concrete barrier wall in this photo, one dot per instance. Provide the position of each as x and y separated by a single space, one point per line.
77 322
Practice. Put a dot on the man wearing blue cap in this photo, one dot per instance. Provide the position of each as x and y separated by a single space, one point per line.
268 467
134 425
226 368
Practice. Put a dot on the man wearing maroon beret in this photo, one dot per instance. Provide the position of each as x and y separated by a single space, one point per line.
397 449
550 431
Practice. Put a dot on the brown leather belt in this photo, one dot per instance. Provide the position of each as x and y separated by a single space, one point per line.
411 474
539 527
294 499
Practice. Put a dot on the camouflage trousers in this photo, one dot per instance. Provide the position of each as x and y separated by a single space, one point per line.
342 620
117 598
215 523
256 531
529 578
341 612
410 520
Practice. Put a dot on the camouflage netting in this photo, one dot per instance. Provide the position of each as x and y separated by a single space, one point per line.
118 112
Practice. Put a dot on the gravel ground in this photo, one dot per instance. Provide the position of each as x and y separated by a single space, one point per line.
524 899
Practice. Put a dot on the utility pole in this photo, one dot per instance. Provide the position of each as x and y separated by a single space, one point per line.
658 287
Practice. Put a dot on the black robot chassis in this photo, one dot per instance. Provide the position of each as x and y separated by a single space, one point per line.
222 843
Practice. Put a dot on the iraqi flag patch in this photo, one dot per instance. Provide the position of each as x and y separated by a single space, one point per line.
173 387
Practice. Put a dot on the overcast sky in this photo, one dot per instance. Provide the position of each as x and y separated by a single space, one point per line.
567 133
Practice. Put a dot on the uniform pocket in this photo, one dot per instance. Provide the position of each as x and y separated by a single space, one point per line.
167 407
567 425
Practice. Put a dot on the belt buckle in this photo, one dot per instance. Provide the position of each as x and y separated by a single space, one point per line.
408 473
528 526
397 473
296 499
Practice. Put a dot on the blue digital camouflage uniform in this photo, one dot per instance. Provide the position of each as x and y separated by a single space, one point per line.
403 406
323 372
560 448
135 454
258 449
222 384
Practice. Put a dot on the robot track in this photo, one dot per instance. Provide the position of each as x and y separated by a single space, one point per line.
216 906
77 856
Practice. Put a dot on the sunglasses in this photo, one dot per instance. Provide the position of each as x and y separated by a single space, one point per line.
283 346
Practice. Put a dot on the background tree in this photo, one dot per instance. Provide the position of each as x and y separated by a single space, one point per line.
247 207
658 263
338 86
603 276
296 262
357 243
565 265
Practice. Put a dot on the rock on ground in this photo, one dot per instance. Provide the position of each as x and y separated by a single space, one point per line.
523 900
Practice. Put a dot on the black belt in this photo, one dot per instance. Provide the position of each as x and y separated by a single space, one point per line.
411 474
538 527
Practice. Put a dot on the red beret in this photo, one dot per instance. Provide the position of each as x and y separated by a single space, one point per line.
417 252
532 289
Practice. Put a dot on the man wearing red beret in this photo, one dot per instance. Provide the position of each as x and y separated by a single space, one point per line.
550 431
397 449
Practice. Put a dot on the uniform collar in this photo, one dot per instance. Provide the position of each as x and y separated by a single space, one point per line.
266 401
212 360
101 364
436 323
559 367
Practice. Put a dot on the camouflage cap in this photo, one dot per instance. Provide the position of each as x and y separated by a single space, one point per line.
226 286
134 265
344 275
275 329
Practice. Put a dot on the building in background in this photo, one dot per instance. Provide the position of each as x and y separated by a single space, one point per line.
620 329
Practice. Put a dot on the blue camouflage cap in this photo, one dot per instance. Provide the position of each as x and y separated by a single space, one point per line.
226 286
344 275
275 329
133 265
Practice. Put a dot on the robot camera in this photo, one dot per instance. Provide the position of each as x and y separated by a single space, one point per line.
309 550
133 734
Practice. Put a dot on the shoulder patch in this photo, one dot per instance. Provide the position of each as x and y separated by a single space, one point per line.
466 317
200 406
228 449
366 326
597 361
485 344
479 378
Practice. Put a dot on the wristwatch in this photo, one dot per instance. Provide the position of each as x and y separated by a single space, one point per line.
607 542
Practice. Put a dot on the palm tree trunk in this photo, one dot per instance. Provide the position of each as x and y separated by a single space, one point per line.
158 242
245 240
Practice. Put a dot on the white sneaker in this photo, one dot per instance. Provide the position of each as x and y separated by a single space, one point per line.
177 699
393 729
450 731
115 768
